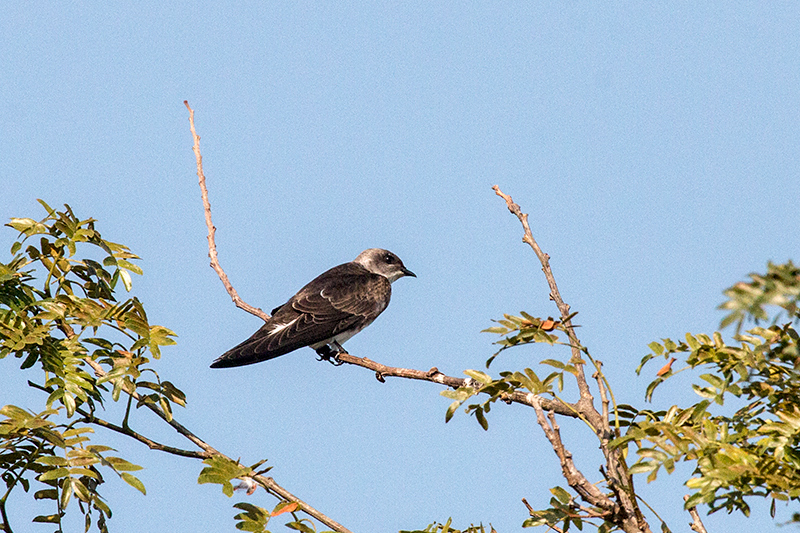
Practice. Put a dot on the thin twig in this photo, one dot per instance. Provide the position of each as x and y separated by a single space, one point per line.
697 523
530 509
153 445
598 376
555 295
212 245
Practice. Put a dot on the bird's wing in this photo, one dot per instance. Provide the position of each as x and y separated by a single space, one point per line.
345 298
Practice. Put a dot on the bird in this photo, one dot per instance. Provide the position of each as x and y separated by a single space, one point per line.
325 313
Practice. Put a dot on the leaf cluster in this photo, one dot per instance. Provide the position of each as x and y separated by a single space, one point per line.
564 512
755 450
520 330
58 312
224 471
516 331
436 527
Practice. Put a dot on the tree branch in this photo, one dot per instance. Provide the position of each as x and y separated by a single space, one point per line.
627 515
209 451
153 445
586 396
267 482
598 376
585 489
212 245
435 376
697 524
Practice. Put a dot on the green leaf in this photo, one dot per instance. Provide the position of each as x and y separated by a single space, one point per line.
129 266
656 348
133 481
126 279
46 494
562 495
299 526
55 473
121 465
53 460
482 419
553 363
479 376
451 410
48 519
66 492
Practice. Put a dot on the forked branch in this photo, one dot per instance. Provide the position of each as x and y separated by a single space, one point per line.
626 513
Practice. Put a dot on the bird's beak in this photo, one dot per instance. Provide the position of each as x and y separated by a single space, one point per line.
407 272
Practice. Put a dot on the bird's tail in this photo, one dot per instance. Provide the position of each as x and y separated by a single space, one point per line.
248 353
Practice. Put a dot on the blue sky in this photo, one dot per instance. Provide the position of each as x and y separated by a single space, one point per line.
653 144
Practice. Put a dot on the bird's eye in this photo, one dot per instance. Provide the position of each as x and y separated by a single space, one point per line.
389 259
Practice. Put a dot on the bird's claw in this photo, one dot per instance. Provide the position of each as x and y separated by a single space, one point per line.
329 354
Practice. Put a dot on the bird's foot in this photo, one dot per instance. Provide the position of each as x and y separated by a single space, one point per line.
330 354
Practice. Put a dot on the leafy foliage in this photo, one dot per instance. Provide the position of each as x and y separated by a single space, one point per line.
516 331
752 450
519 330
436 527
56 326
222 471
59 313
565 512
755 451
777 288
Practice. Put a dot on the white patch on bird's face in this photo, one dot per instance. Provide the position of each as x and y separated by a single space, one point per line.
394 276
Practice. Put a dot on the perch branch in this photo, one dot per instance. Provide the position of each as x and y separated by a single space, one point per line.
435 376
380 370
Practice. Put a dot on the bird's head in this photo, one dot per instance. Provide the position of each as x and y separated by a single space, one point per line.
383 262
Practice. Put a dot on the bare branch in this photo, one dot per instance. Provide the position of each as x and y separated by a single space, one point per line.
212 245
598 376
585 489
433 375
153 445
697 524
555 295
